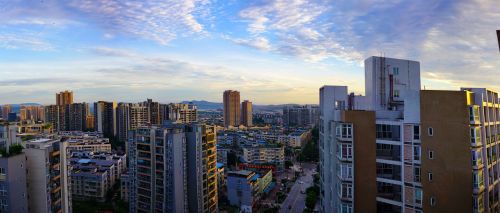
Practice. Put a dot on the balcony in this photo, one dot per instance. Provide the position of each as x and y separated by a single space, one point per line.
343 132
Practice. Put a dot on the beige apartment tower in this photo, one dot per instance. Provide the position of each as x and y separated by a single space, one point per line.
246 113
231 108
64 98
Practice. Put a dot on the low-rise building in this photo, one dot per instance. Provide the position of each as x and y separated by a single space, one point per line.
245 187
95 173
265 154
86 141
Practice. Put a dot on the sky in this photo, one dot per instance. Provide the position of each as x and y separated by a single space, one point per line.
272 51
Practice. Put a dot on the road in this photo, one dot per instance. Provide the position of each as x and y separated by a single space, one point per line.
295 201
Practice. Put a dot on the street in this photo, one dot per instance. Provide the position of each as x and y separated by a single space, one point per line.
295 201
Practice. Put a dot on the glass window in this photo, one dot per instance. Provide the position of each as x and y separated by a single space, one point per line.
418 196
395 70
430 176
416 132
396 93
430 131
433 201
431 155
416 174
416 153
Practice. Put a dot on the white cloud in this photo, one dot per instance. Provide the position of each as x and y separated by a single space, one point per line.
157 20
454 40
258 42
21 41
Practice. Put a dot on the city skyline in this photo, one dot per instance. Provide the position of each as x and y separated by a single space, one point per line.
272 51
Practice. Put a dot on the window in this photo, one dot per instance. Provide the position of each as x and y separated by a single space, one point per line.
345 190
430 131
431 155
345 151
345 208
477 179
343 130
476 157
416 174
339 105
388 132
418 196
433 201
475 135
345 170
396 93
395 70
416 153
474 113
2 171
416 132
430 176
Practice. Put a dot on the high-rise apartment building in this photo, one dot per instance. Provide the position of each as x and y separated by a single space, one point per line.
90 122
460 137
300 115
52 116
246 113
179 112
202 168
31 113
162 176
76 116
69 117
6 109
424 151
392 92
64 98
13 192
153 112
105 118
129 117
232 112
48 170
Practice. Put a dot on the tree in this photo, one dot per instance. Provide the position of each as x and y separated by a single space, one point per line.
15 149
312 196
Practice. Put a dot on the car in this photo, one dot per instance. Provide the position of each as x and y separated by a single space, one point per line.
301 182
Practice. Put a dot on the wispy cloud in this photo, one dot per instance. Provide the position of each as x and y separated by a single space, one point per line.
157 20
453 39
21 41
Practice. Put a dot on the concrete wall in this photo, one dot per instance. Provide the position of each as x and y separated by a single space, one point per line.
365 188
447 113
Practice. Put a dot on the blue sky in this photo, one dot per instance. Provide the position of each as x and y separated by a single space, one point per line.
273 51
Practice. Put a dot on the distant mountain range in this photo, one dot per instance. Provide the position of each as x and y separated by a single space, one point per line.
202 105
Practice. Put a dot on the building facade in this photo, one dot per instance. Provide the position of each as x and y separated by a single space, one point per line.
246 113
105 118
48 169
64 98
162 176
232 113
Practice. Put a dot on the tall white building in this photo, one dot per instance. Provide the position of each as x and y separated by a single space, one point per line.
48 179
392 88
